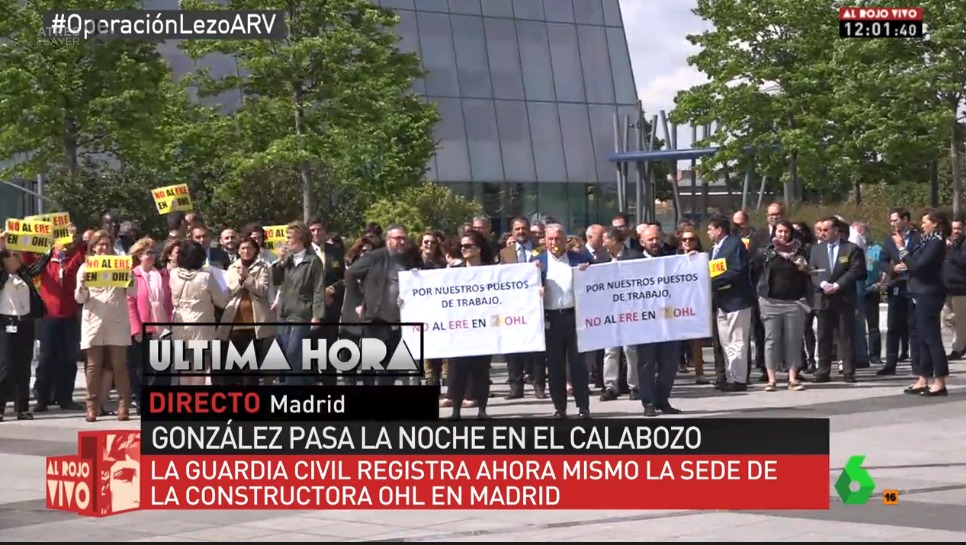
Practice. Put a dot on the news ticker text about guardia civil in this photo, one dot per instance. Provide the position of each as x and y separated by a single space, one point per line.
166 24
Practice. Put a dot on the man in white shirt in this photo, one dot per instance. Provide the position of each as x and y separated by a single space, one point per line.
557 272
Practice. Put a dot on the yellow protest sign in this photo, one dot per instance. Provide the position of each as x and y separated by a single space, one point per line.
275 236
172 198
61 223
108 271
717 267
30 236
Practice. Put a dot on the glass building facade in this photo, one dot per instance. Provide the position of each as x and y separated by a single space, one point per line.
527 91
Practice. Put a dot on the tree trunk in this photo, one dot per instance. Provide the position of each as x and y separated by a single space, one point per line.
957 172
305 174
71 160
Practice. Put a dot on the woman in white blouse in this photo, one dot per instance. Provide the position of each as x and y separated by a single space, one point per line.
105 332
20 305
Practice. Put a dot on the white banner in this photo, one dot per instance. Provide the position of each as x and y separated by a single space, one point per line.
473 311
643 301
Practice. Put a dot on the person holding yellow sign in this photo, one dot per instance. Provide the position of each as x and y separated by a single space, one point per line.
29 236
732 299
20 305
105 329
61 226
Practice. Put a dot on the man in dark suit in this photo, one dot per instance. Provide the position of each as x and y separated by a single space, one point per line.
216 256
900 325
733 297
333 263
533 364
374 280
837 265
623 222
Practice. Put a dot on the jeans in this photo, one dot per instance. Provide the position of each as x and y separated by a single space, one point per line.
291 337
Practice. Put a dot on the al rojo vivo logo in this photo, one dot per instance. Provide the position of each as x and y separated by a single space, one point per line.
103 478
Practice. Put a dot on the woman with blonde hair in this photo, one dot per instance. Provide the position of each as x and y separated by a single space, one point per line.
105 332
246 318
195 293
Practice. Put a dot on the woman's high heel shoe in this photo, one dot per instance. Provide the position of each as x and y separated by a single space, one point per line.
935 393
91 415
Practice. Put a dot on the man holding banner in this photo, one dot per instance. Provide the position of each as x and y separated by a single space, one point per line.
557 273
657 362
616 243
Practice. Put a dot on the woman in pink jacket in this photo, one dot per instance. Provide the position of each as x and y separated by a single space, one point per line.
152 304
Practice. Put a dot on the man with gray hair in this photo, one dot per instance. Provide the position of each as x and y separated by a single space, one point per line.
557 275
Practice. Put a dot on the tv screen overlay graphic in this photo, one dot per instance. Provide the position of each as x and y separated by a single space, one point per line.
195 464
378 350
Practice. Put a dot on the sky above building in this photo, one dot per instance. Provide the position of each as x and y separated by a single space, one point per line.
657 33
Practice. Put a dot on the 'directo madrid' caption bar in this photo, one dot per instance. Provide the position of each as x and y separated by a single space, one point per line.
167 24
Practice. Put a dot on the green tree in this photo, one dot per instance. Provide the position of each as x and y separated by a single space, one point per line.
903 98
426 205
68 104
767 62
327 110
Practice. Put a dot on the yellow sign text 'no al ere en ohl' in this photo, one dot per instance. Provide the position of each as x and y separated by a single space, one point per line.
172 198
30 236
61 223
108 271
275 236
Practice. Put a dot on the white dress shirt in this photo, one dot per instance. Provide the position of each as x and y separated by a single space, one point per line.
558 291
15 297
833 256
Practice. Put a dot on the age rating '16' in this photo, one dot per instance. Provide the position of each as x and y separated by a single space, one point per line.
881 23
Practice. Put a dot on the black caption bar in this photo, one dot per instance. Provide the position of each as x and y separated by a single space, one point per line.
288 403
524 436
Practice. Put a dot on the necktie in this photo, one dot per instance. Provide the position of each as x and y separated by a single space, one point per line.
522 254
831 257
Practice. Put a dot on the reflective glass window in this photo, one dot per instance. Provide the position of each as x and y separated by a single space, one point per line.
504 58
511 119
439 59
589 12
408 32
612 13
535 60
577 143
432 5
398 4
552 200
469 7
559 11
620 63
595 60
486 163
602 130
548 155
471 60
567 79
528 9
452 161
498 8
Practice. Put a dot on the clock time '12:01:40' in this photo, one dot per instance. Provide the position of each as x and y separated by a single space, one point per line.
881 29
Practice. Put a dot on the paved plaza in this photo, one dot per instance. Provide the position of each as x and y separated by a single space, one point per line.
915 445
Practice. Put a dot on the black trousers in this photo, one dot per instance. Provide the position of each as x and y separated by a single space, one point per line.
329 331
872 325
561 355
657 365
16 354
932 362
57 366
836 325
391 337
518 364
469 378
901 326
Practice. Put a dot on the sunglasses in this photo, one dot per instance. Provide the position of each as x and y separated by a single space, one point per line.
429 242
468 246
688 239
